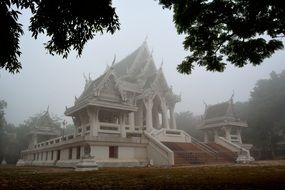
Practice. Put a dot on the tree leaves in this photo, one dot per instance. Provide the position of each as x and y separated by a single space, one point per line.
68 23
239 31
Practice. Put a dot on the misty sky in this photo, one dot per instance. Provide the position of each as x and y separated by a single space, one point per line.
47 80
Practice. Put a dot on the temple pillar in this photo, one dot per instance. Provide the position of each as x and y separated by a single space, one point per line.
228 133
172 118
239 135
93 121
148 105
132 121
155 118
76 124
206 137
82 124
165 123
216 135
122 124
139 115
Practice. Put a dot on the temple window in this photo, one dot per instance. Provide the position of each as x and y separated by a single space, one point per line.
58 155
70 153
78 152
113 151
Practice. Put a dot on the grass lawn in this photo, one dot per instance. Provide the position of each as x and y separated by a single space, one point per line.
197 177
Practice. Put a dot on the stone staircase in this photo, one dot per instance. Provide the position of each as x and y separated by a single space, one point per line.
223 152
199 153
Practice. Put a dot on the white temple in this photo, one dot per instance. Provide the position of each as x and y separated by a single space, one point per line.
123 118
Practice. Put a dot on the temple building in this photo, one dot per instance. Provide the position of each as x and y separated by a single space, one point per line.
123 118
221 124
43 128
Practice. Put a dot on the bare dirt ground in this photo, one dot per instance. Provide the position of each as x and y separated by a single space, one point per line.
256 175
254 163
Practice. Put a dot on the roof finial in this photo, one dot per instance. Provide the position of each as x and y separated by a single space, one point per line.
205 104
84 76
161 64
114 60
107 68
233 94
47 109
145 39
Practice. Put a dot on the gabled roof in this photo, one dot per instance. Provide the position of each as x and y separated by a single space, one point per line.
134 74
45 121
217 110
93 88
138 63
220 115
44 124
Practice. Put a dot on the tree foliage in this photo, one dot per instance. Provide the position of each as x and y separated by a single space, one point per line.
217 31
68 23
235 31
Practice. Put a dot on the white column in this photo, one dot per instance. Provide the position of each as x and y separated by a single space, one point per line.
82 124
155 118
132 121
148 104
140 115
172 118
122 124
239 135
228 133
165 123
75 121
206 137
216 135
93 117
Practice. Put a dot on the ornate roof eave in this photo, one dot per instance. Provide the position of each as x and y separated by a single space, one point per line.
120 106
129 87
148 93
224 123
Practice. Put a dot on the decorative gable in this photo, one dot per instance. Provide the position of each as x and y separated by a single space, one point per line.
109 90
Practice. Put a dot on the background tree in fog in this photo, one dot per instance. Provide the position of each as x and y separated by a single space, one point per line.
3 105
189 123
217 32
265 113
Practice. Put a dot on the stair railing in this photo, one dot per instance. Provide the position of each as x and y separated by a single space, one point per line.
205 147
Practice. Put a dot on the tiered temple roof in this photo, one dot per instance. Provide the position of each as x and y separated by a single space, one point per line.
221 114
131 77
45 125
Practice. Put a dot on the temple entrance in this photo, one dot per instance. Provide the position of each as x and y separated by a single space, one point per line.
157 113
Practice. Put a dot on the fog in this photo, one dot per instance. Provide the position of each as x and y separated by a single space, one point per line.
47 80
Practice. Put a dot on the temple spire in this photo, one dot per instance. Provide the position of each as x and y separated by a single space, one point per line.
114 60
145 39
